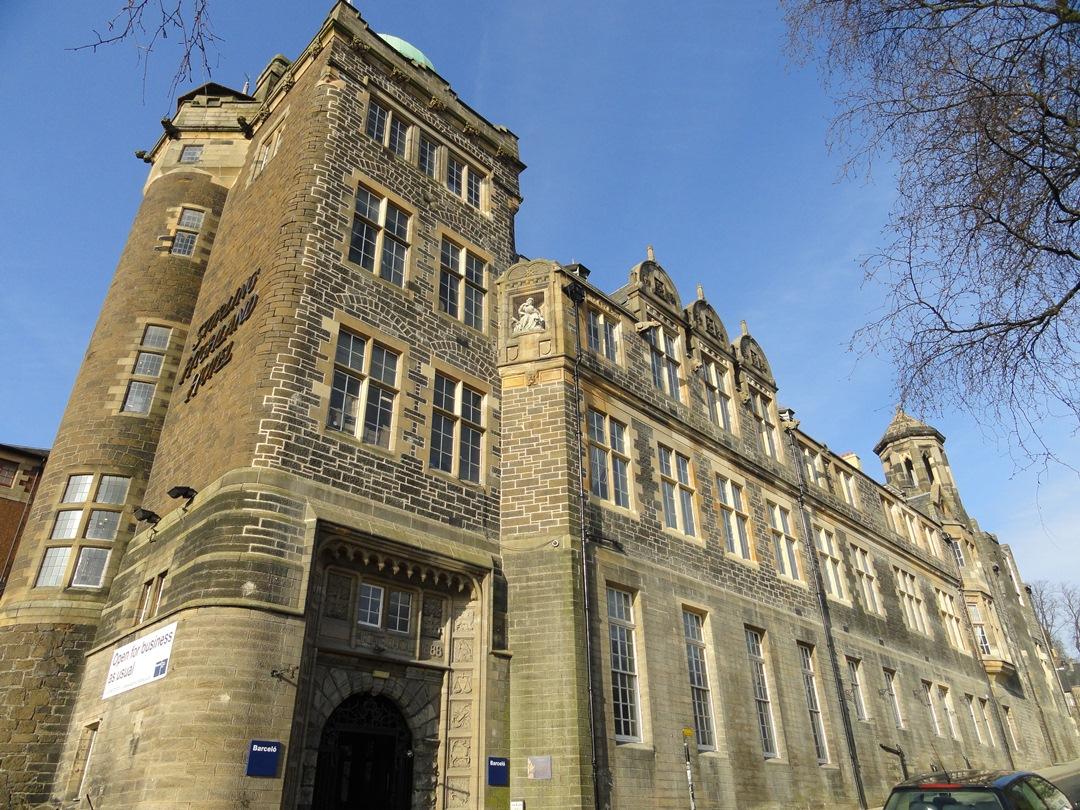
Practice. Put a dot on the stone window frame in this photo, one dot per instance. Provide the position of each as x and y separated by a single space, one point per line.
701 689
1010 724
683 492
984 713
160 395
969 701
831 560
474 176
858 697
866 577
80 767
347 210
176 227
725 512
928 699
849 490
268 147
87 504
611 410
9 473
637 685
387 591
890 676
947 704
189 149
325 366
487 410
912 604
718 379
950 619
442 233
814 706
790 542
763 409
603 329
665 355
813 464
150 597
366 381
756 642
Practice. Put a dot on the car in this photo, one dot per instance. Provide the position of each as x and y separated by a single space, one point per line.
978 790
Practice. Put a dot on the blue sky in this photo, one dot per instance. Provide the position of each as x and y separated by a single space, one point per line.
688 130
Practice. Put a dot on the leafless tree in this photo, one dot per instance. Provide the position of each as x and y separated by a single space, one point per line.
1045 603
1070 608
977 102
148 24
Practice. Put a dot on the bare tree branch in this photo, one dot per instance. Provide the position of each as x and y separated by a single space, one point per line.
978 104
148 23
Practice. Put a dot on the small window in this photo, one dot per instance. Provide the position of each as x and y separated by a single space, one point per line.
462 284
785 546
832 568
139 397
694 635
428 156
8 469
677 491
893 696
365 372
755 651
399 612
624 675
855 684
813 704
609 460
156 337
761 408
184 243
112 489
370 607
192 153
718 393
150 601
148 364
380 236
102 525
457 429
190 218
733 517
90 568
464 181
52 568
66 526
78 489
602 334
664 359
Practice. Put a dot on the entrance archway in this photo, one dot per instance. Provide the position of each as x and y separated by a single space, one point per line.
365 757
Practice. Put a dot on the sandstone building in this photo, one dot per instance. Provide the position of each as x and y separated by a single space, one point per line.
20 471
350 491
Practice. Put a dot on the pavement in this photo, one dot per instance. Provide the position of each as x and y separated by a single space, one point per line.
1067 777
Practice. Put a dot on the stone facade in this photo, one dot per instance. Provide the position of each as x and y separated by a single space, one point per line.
20 472
398 494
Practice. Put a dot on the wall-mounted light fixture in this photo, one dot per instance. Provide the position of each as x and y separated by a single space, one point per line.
183 492
146 516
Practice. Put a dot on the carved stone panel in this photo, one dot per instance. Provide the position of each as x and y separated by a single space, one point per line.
529 314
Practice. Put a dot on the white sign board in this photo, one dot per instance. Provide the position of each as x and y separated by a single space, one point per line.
140 662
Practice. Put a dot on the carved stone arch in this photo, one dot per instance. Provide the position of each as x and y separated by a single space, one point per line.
707 326
655 284
752 358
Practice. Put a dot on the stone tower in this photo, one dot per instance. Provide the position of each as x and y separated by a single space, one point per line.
81 522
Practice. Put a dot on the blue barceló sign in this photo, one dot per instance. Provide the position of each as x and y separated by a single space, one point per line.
263 758
498 771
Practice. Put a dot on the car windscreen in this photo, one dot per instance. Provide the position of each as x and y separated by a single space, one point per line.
920 798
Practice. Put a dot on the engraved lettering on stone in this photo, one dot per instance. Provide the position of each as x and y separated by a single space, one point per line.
463 651
436 649
530 318
465 622
338 595
460 755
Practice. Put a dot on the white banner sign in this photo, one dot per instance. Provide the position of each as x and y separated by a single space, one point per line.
140 662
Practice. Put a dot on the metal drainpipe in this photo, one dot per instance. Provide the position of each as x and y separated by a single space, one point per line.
575 291
789 425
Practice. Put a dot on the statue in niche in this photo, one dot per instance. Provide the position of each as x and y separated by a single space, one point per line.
529 318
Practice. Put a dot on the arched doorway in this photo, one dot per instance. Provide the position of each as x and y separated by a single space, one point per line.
365 757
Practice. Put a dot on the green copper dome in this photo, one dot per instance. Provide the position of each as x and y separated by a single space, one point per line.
407 50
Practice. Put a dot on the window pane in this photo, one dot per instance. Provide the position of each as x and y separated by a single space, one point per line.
343 402
445 393
454 173
362 244
52 568
380 409
102 525
399 131
350 351
148 364
7 472
618 437
190 218
383 364
191 153
393 261
592 331
90 569
442 443
399 611
470 454
428 150
598 480
474 307
448 292
470 405
369 609
376 121
67 524
112 489
184 243
619 478
367 204
397 222
156 337
139 397
78 489
473 190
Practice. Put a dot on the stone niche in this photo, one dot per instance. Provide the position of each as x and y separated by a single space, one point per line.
530 299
